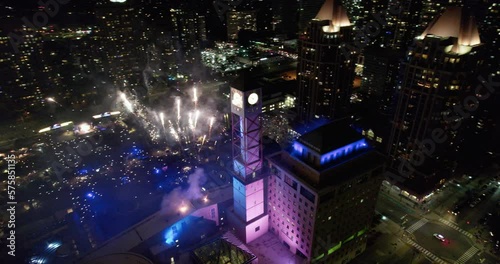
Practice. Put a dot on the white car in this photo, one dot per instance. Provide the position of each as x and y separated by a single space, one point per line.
440 237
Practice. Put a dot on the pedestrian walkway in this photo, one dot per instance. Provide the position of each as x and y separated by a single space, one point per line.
417 225
454 226
467 255
426 252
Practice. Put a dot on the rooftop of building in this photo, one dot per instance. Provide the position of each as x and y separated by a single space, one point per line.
246 81
456 22
335 13
332 175
418 186
331 136
225 249
273 85
155 224
122 258
354 156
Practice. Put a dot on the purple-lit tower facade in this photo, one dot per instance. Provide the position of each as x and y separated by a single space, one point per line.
322 193
249 185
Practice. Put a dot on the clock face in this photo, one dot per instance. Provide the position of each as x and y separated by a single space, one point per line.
253 98
237 100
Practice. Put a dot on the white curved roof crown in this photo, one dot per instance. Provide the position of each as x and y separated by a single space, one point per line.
455 22
336 14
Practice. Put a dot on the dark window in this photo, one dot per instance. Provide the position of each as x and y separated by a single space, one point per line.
291 182
307 194
257 228
278 173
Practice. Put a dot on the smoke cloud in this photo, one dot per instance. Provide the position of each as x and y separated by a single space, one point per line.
179 196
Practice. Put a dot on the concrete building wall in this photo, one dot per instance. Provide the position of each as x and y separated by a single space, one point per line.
291 214
257 228
249 199
210 213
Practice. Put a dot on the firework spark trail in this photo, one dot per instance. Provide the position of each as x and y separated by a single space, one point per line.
195 97
202 142
178 103
173 132
162 120
196 115
127 103
190 121
210 125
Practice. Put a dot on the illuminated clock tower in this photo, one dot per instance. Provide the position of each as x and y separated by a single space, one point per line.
250 218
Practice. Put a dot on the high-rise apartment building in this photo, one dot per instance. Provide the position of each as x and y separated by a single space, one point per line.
122 45
321 194
325 74
380 72
491 34
240 20
21 89
188 30
307 10
401 17
361 12
438 73
286 16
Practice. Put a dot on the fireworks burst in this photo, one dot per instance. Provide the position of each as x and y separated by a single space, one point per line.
182 126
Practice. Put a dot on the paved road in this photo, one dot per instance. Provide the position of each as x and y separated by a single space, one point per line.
389 248
449 250
391 208
421 227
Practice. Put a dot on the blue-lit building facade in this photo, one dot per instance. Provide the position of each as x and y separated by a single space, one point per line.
320 193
